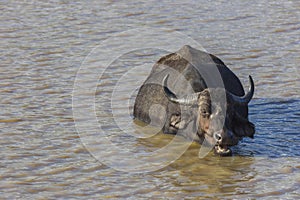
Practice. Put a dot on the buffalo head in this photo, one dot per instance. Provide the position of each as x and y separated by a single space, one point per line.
219 122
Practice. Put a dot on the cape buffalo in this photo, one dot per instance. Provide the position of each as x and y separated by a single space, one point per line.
193 93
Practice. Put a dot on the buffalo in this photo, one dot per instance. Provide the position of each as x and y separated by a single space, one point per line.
194 94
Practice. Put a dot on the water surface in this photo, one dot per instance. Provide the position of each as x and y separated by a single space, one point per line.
44 43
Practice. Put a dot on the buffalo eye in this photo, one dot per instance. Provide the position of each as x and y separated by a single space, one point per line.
204 113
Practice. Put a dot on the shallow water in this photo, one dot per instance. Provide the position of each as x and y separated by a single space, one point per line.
44 44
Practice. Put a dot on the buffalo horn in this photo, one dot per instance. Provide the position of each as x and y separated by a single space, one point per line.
247 97
188 100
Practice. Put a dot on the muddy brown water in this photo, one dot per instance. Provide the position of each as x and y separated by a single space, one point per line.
43 44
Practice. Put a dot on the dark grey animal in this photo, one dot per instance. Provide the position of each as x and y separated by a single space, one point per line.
193 93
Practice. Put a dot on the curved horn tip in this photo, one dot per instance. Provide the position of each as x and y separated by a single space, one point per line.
251 88
170 95
165 80
247 97
251 81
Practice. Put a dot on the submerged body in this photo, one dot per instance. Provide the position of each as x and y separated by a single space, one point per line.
194 94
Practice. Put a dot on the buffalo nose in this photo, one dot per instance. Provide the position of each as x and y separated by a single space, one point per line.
218 137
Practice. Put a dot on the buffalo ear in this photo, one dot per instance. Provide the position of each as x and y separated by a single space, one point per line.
244 128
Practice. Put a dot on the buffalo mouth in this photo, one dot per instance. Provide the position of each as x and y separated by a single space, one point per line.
222 150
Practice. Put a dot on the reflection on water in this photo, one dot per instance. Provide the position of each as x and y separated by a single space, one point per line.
42 46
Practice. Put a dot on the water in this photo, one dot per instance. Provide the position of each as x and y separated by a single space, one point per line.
43 45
